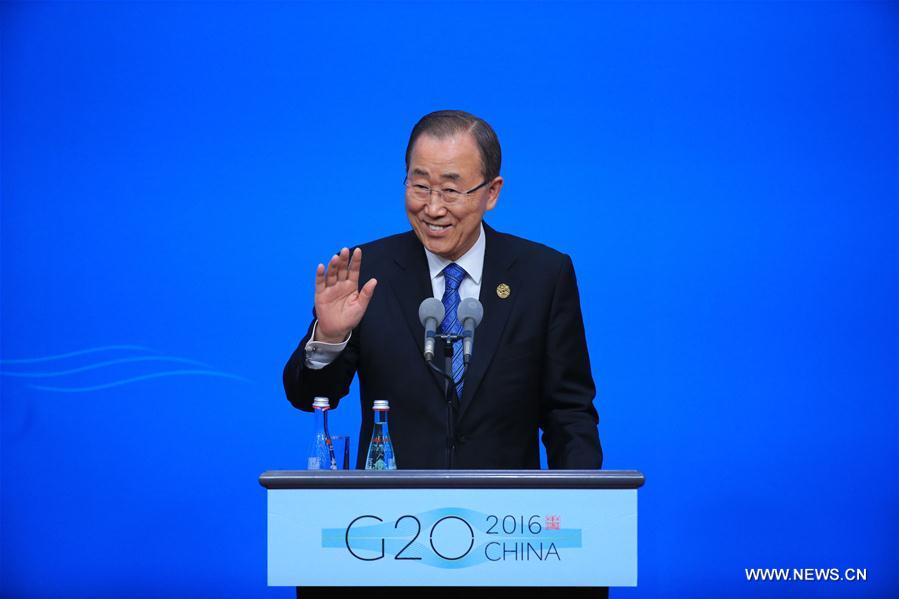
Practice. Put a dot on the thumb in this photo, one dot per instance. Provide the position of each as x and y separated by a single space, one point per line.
367 291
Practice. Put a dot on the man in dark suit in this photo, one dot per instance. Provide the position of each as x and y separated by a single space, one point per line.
529 368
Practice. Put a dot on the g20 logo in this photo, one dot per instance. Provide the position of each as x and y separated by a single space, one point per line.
452 538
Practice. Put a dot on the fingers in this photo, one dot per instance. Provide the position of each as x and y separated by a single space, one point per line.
340 268
331 278
320 278
343 265
355 265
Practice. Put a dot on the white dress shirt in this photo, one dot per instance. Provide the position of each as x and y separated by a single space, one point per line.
319 354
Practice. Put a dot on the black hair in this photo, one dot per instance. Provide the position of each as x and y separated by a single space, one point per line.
445 123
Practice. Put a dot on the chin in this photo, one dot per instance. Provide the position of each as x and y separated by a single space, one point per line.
442 250
435 248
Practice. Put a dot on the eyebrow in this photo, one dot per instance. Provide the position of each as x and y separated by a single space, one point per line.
448 176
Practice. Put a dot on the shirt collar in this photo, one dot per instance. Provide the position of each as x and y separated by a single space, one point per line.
472 261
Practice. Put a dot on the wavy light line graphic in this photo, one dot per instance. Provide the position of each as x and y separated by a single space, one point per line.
155 375
91 350
102 365
105 364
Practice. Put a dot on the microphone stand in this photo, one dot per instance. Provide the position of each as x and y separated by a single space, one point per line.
449 390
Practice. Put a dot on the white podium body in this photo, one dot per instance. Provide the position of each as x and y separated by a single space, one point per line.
456 528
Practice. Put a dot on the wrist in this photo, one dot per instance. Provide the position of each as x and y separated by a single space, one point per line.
326 337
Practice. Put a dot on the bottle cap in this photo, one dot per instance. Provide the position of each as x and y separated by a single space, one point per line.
321 402
381 404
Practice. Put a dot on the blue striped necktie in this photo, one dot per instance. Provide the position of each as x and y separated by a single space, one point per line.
452 276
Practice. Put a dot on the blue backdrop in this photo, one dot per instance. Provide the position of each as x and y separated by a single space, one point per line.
723 175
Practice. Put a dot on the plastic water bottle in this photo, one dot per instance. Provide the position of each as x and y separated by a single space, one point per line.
321 453
380 451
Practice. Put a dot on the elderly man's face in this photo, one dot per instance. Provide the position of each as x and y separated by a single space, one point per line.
448 230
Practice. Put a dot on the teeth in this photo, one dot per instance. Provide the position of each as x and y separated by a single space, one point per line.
437 227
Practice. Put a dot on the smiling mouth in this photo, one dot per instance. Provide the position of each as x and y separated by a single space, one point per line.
437 228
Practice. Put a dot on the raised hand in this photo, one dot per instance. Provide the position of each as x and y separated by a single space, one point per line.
339 303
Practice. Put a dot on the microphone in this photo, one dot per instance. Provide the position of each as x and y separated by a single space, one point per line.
430 313
470 314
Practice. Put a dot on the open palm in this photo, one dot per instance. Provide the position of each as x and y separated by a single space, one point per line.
339 303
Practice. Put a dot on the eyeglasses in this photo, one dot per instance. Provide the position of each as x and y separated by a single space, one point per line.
447 194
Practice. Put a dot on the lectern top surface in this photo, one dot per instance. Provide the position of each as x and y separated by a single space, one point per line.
452 479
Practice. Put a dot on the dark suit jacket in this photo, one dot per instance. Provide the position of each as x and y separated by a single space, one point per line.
529 365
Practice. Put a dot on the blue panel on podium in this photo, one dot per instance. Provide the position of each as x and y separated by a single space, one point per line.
452 537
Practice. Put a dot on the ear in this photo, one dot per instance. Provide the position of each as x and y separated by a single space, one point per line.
493 192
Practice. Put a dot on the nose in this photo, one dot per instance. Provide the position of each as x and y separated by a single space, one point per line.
434 207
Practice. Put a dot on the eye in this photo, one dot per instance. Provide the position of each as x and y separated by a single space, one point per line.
421 188
451 192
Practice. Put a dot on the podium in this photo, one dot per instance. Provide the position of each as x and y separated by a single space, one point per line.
452 528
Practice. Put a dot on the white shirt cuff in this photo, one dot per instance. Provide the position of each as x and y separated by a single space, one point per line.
319 354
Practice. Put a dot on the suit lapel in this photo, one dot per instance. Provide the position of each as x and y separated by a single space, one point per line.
411 286
498 261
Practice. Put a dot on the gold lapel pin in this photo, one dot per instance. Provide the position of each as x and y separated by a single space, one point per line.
503 291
